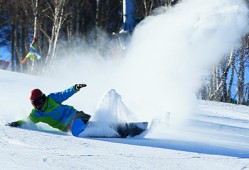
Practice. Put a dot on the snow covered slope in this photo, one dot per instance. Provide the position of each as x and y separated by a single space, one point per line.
216 137
161 72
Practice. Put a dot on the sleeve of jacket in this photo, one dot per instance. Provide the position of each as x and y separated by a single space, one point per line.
60 97
31 118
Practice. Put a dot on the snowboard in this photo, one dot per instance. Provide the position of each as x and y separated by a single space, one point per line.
122 129
129 129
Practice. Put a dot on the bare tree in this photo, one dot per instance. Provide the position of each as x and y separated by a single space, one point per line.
213 83
16 22
229 90
241 75
218 81
57 9
32 65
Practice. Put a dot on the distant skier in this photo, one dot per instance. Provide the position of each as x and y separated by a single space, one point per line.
33 53
48 109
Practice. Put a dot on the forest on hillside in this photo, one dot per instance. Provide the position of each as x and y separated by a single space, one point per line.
52 20
49 22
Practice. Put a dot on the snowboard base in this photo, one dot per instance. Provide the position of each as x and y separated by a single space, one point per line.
110 129
130 129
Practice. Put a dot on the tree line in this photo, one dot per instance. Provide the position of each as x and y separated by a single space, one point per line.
53 20
229 79
50 20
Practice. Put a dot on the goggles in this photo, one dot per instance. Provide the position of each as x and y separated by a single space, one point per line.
38 103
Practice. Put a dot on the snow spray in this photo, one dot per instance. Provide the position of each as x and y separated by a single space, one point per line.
169 54
171 51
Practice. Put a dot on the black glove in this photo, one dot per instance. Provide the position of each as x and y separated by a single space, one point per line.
77 87
13 124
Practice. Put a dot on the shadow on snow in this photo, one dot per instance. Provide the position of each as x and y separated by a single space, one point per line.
188 146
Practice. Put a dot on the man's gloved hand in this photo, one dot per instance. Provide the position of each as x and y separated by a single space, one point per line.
13 124
77 87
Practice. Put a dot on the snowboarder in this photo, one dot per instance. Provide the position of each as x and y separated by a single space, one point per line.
33 52
33 55
48 109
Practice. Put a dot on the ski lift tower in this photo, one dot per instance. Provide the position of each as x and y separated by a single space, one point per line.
129 15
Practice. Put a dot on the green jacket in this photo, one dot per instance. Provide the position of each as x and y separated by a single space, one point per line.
53 112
